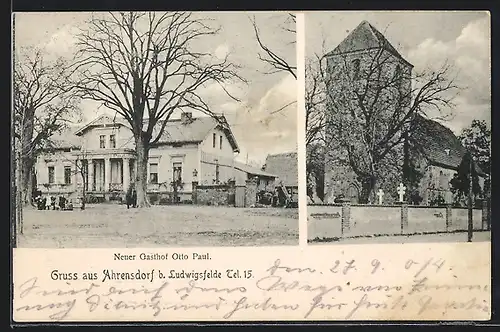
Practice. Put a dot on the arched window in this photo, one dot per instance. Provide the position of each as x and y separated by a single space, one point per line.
355 68
442 180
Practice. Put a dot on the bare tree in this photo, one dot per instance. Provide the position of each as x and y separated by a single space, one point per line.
42 106
316 99
316 95
276 62
144 67
371 107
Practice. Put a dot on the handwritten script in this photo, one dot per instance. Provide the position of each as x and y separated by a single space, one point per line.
341 289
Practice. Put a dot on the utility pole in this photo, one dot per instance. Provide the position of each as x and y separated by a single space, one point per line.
469 201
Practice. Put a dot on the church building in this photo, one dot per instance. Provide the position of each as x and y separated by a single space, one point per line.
362 51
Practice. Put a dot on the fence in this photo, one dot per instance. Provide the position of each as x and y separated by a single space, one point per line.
353 220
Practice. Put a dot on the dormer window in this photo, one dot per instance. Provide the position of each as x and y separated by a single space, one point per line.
447 151
102 141
356 63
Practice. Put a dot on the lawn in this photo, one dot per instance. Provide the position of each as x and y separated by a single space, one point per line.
115 226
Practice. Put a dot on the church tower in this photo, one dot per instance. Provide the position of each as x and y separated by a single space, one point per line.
363 62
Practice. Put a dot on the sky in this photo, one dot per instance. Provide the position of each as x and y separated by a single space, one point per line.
427 40
252 120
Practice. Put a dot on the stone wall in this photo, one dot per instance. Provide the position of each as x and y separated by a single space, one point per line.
214 195
330 221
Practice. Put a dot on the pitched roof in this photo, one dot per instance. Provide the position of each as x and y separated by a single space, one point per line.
194 131
102 120
66 139
365 36
438 143
252 170
176 131
285 166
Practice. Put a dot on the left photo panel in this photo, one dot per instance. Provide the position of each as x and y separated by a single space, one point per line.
154 129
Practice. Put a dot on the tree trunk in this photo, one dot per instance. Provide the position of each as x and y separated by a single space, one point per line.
19 197
27 156
141 177
470 224
406 162
367 187
85 184
27 184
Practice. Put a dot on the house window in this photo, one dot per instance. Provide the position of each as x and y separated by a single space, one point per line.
217 173
51 174
214 139
112 141
220 142
177 172
153 173
102 141
67 174
355 68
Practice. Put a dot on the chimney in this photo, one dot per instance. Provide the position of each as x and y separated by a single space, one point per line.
186 117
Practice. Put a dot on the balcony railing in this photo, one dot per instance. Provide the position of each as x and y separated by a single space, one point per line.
115 187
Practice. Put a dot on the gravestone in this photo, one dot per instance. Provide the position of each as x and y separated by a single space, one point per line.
401 192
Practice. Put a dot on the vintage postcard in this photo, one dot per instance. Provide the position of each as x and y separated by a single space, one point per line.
251 166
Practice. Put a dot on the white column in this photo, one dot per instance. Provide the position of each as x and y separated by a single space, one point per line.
107 173
126 173
90 163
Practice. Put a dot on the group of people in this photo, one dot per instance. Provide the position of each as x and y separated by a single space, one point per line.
53 203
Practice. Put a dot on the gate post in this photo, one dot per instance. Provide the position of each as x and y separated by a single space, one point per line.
346 216
194 192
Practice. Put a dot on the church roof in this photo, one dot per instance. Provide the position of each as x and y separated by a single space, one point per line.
285 166
439 145
364 37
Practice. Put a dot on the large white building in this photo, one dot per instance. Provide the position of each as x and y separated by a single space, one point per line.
201 149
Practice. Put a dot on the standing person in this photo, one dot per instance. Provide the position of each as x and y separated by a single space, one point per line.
134 197
48 202
128 197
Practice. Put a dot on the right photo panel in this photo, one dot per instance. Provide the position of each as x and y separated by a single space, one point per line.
398 126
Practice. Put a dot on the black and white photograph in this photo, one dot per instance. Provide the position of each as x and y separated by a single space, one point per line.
154 129
398 126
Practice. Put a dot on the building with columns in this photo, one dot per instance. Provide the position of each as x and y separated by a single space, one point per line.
101 156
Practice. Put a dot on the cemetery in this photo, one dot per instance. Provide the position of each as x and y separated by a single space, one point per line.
347 220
